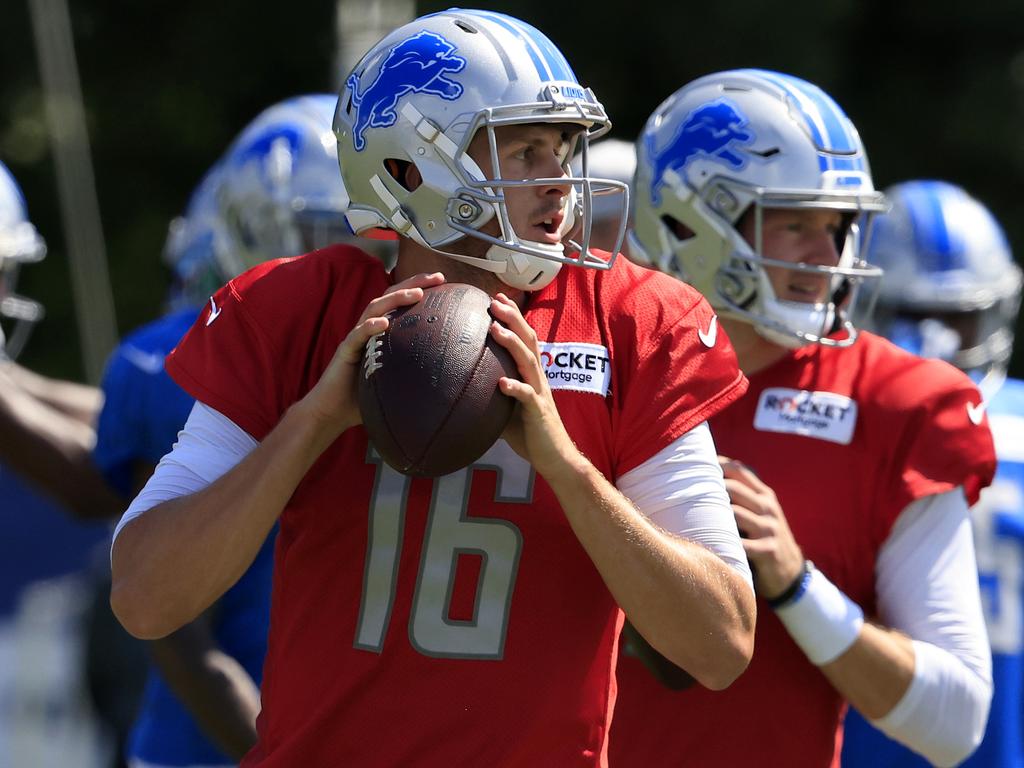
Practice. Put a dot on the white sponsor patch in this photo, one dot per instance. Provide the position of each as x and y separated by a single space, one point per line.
577 366
823 415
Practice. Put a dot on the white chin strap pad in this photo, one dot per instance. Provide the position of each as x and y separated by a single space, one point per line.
523 271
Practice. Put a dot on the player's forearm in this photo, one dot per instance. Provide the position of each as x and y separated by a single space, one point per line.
171 562
216 690
931 698
690 605
77 401
53 452
875 672
918 694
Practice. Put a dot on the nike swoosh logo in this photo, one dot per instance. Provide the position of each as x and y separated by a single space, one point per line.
214 311
708 339
976 413
147 362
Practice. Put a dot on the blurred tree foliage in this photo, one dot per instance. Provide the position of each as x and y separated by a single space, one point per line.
935 94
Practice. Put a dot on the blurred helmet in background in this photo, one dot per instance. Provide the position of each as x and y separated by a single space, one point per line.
279 189
951 288
20 243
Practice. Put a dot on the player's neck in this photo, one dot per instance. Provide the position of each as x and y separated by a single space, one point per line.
414 259
753 351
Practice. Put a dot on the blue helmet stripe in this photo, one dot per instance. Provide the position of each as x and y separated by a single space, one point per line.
556 63
559 65
504 21
930 232
835 120
827 122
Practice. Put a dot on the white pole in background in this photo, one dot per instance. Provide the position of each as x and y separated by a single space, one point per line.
76 184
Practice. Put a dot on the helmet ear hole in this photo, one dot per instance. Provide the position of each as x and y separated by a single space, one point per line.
404 172
680 231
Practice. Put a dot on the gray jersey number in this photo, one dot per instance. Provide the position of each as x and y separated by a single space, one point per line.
450 532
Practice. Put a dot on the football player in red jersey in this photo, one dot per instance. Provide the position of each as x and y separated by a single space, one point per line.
851 464
471 619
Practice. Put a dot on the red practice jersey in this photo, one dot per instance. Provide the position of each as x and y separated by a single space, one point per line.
847 438
454 621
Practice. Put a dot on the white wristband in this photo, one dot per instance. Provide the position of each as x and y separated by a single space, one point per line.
822 621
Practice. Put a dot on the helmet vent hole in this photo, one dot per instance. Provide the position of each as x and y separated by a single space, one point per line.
399 171
680 231
465 27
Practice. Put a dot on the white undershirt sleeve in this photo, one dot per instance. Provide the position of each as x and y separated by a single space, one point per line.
681 490
927 586
208 446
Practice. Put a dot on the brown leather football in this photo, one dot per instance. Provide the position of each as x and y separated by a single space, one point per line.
428 392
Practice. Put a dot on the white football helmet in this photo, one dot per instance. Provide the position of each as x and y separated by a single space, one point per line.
421 95
20 243
279 191
733 144
193 242
951 287
610 159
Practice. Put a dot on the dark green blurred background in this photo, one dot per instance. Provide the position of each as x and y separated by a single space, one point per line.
934 93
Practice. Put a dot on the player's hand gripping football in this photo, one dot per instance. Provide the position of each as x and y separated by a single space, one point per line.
333 400
536 431
771 549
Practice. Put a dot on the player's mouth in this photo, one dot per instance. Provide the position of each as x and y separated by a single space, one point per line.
547 227
808 291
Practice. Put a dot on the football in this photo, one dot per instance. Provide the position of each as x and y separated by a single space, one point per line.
428 392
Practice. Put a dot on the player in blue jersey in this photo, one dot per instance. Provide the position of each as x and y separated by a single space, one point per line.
951 290
46 435
276 192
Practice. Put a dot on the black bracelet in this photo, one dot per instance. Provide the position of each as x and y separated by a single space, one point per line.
794 590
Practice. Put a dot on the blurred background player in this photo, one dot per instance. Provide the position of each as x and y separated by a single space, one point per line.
46 425
856 456
46 434
276 192
951 290
609 159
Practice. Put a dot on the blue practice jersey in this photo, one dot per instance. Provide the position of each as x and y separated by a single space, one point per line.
142 414
39 541
998 519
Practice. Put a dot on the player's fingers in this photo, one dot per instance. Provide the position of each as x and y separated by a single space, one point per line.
507 311
400 297
751 524
525 358
351 348
757 548
742 494
737 470
421 280
519 390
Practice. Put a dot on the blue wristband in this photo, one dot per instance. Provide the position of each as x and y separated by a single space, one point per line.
794 591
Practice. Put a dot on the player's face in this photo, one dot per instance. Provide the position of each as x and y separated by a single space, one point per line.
806 236
534 151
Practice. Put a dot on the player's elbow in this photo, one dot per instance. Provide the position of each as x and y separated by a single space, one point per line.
137 615
955 746
952 745
729 652
132 599
943 714
727 660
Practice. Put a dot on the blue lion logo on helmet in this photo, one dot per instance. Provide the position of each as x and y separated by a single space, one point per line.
415 65
711 130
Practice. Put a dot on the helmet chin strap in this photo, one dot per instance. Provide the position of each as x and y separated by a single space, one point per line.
522 271
515 269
